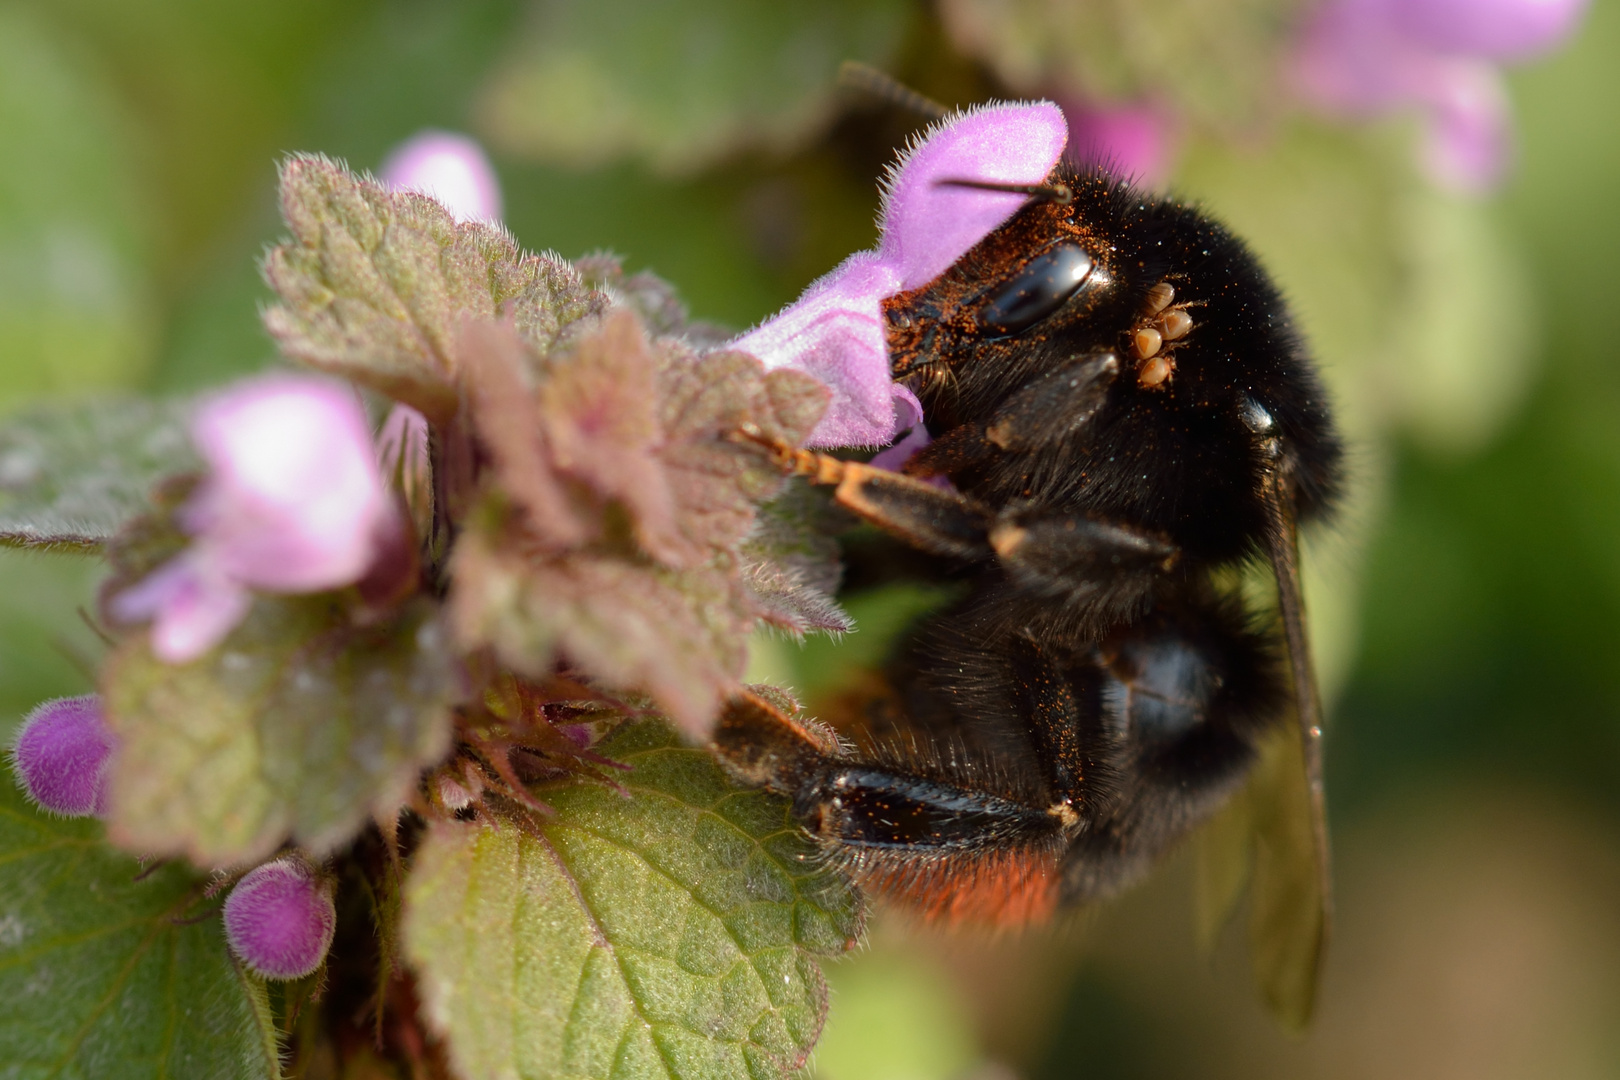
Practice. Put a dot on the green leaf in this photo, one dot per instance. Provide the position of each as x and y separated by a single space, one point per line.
668 933
680 636
791 562
680 85
71 476
628 501
100 974
1287 910
1217 64
299 726
375 285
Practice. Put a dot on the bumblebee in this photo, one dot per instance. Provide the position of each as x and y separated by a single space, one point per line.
1123 415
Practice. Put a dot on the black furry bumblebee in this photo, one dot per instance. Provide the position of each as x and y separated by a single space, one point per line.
1124 412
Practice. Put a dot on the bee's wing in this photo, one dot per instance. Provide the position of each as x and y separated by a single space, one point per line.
1291 902
1264 840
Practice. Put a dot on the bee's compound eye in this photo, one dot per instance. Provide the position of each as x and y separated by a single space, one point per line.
1042 287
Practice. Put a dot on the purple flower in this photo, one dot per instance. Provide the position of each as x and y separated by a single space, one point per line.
294 502
1132 141
450 168
279 919
1365 58
61 754
835 330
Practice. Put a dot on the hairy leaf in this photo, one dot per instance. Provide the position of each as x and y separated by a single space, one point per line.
629 499
679 86
100 974
678 635
670 933
716 483
375 284
791 564
72 475
650 297
298 726
1216 63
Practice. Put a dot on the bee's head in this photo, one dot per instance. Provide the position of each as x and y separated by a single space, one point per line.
1204 346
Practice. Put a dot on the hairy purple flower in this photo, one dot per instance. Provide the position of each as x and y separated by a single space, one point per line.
835 330
61 754
279 919
1364 58
450 168
294 502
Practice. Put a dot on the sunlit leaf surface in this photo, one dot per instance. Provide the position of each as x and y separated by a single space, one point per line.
672 932
297 726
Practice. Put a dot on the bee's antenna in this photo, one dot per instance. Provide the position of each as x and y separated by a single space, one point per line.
866 79
1053 191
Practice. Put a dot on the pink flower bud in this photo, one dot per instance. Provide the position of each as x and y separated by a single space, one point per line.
61 754
294 502
450 168
835 330
279 919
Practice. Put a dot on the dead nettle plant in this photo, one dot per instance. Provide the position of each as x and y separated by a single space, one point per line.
397 756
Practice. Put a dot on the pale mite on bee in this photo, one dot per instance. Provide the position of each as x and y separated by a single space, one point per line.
1122 410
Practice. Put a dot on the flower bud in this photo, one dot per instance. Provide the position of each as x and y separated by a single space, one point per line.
61 754
279 919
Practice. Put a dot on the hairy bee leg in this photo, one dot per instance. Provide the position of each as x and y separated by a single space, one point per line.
1055 405
1076 554
1060 729
943 845
926 517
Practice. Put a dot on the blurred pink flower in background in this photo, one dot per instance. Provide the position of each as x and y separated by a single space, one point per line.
1366 58
61 753
1134 142
452 169
835 330
294 502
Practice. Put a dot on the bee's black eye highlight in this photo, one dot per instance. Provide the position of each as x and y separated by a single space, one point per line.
1042 287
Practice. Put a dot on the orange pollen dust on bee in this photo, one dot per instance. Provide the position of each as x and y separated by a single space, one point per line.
1005 888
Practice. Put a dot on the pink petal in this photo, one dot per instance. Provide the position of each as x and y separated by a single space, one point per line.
895 457
450 168
1501 30
193 606
927 226
835 331
1351 61
295 500
1130 141
1469 140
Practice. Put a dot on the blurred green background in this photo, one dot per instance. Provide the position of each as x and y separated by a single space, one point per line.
1467 606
